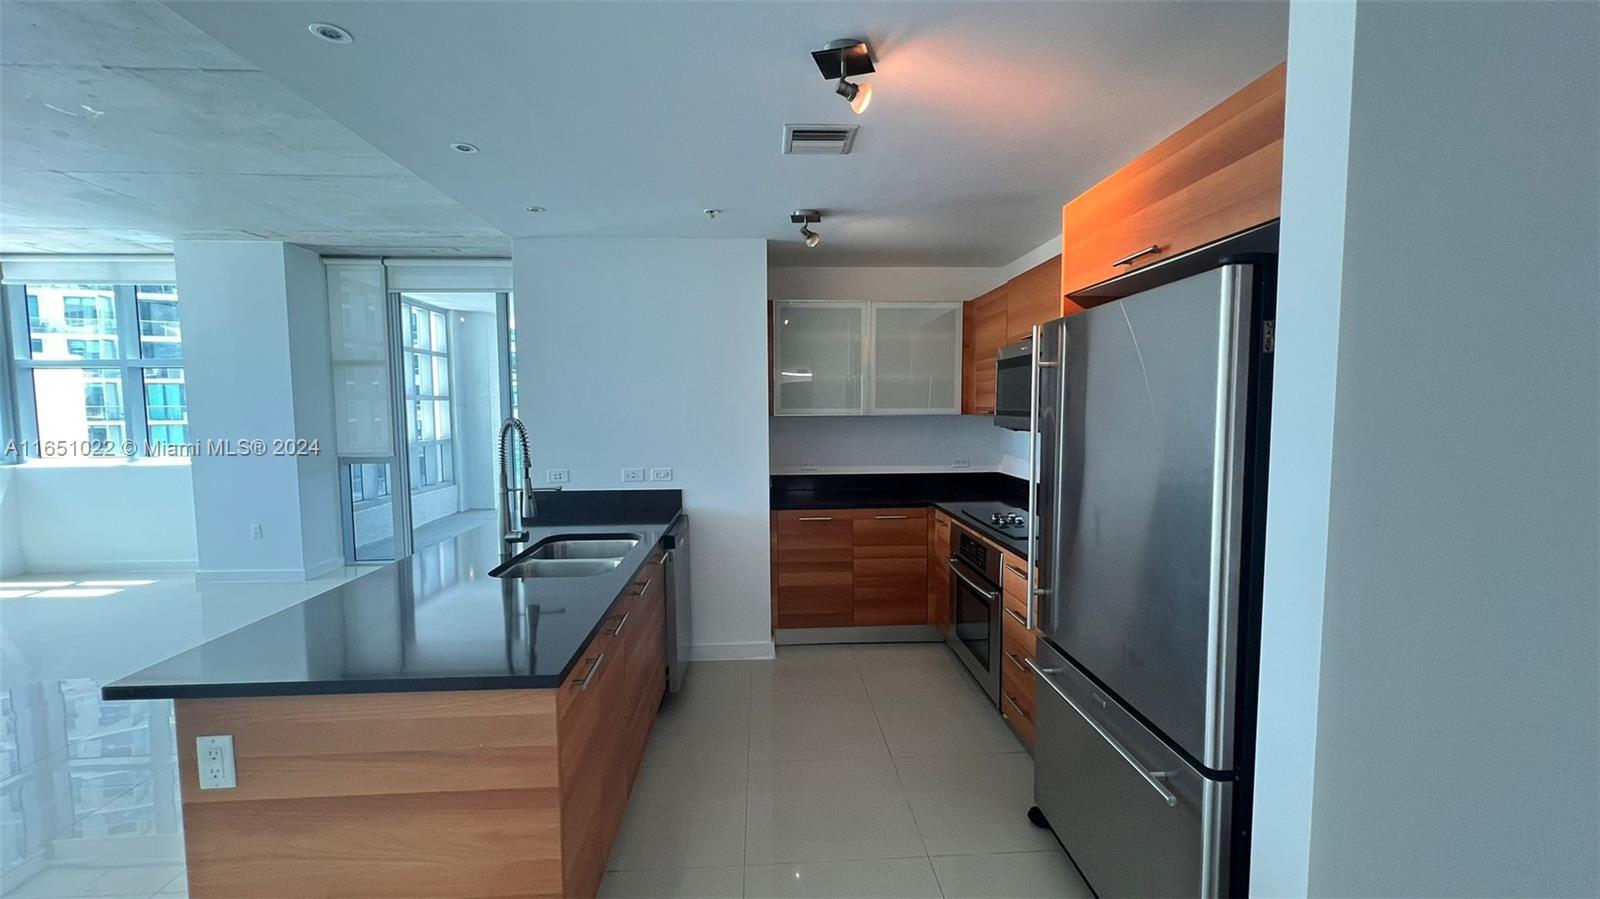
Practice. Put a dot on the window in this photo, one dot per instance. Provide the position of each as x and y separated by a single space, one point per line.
131 401
426 361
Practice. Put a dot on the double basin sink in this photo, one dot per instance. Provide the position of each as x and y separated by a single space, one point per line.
584 555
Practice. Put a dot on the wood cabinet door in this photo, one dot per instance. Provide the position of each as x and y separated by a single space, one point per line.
890 554
989 335
1217 176
969 356
813 569
1033 298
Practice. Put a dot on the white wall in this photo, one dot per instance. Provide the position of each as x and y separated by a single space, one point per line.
653 353
89 519
1451 740
257 360
475 359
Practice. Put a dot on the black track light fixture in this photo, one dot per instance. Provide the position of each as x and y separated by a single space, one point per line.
805 218
844 59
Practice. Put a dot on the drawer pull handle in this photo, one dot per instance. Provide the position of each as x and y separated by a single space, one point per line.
890 517
663 559
1017 618
617 631
1016 571
816 518
589 676
644 586
1016 661
1025 715
1128 259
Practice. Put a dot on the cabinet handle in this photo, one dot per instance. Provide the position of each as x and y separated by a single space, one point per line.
1017 662
1128 259
890 517
584 684
1017 618
663 560
1025 715
1016 571
643 587
617 631
816 518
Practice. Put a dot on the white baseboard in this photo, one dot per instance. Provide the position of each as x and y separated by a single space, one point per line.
100 566
724 652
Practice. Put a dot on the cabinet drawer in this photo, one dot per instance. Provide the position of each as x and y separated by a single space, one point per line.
1015 675
905 529
815 529
1018 712
1015 633
1014 585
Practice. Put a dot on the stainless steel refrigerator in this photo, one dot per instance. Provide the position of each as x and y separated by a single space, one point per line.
1151 420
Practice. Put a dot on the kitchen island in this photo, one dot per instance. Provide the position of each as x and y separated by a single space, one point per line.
429 729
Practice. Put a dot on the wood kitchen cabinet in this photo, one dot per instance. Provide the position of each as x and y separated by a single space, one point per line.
988 325
1217 176
850 568
891 567
1017 644
1033 298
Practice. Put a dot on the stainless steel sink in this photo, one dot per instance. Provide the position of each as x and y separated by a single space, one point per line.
599 547
531 568
570 556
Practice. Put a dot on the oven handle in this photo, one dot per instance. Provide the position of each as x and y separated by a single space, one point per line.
956 570
1150 777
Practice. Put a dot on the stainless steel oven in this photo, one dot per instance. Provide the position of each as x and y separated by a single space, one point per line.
975 608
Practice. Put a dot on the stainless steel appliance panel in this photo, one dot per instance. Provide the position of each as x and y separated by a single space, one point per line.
675 571
975 603
1136 818
1139 499
1013 390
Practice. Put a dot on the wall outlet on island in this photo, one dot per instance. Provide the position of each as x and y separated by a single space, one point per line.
660 474
214 755
961 463
557 475
632 475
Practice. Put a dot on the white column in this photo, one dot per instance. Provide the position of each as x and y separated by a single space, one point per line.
1430 718
257 359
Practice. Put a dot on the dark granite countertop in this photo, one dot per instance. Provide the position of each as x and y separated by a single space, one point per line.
953 491
434 621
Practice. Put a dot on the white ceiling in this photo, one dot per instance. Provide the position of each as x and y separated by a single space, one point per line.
626 119
123 127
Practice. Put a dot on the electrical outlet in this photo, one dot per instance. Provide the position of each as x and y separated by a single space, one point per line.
632 475
215 756
961 463
808 466
660 474
255 531
557 476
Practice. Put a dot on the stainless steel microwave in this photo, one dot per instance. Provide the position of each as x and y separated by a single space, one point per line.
1013 386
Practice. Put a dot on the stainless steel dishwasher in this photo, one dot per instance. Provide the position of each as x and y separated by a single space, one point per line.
675 571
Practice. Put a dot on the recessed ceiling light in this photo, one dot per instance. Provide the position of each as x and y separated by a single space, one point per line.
460 147
534 208
333 34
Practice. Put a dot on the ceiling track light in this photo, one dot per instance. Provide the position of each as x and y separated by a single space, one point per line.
805 218
844 59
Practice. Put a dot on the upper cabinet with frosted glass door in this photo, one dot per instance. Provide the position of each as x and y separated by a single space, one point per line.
819 357
866 358
915 359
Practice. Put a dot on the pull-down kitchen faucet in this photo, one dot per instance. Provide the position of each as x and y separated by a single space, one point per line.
511 530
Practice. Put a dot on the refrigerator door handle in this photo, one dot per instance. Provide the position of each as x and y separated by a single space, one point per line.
1033 475
1150 777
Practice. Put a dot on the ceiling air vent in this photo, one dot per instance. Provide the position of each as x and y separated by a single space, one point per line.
811 139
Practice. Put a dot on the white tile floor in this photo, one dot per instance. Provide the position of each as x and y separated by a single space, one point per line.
865 771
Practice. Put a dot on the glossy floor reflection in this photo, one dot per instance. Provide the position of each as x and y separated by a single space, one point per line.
89 802
865 771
